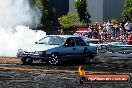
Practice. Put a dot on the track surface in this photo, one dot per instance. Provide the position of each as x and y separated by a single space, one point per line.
40 75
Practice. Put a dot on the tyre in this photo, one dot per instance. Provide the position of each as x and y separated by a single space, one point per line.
87 56
27 60
54 59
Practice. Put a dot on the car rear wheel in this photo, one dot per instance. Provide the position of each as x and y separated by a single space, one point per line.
27 60
54 59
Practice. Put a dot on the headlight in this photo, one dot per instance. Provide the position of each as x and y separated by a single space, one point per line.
20 51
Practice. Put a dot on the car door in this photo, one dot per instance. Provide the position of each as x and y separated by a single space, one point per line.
69 49
80 45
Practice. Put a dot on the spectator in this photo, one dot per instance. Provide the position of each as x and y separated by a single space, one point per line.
102 35
109 28
95 34
61 32
104 25
122 23
128 26
117 29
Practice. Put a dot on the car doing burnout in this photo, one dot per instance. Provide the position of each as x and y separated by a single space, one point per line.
56 48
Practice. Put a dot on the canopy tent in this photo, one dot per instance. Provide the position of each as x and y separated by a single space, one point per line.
82 30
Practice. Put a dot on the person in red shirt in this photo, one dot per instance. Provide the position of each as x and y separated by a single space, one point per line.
129 38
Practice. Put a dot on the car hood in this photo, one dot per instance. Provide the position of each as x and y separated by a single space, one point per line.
39 47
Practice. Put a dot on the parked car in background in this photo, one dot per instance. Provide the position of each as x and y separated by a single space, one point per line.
118 46
96 42
118 43
123 54
54 49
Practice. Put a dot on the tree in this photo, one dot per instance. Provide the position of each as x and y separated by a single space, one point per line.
127 12
70 20
48 12
81 7
39 4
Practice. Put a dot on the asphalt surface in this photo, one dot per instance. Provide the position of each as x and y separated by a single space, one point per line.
13 74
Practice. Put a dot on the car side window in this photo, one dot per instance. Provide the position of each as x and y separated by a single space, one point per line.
69 42
79 41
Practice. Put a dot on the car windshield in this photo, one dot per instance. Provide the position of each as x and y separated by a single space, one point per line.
52 40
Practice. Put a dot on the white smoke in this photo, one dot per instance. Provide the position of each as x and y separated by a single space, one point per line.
18 12
15 16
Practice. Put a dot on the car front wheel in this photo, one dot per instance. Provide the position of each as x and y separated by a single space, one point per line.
54 59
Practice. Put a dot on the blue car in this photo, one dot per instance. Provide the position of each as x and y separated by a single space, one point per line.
54 49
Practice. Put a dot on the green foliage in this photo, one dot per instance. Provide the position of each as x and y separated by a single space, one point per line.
70 20
39 26
48 15
127 12
39 4
81 7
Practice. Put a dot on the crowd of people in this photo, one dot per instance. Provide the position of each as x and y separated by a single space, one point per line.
110 31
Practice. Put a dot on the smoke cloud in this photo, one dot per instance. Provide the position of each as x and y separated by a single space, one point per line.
16 16
18 12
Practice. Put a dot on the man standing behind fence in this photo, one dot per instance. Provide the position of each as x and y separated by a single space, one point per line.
128 26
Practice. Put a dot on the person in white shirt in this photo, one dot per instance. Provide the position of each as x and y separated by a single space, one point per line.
128 26
109 27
